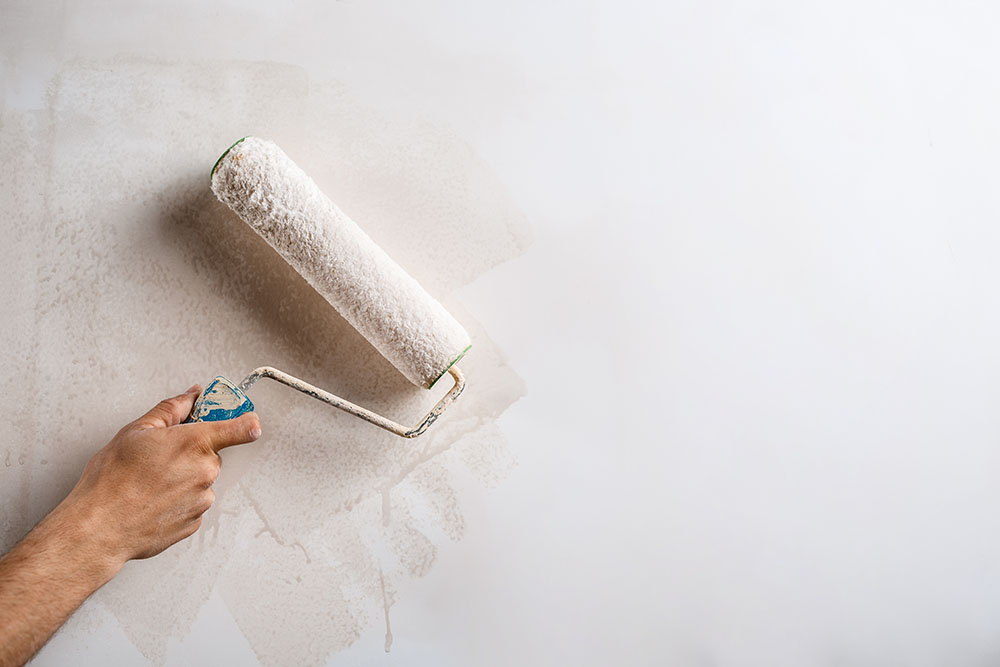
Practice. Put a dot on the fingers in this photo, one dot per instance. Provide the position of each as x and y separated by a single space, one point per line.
170 411
221 434
209 471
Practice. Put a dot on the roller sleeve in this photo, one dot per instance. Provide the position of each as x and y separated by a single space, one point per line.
383 302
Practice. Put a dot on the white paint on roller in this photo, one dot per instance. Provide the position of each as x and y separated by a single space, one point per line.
383 302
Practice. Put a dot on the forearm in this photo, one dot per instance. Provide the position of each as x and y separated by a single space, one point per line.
145 490
47 576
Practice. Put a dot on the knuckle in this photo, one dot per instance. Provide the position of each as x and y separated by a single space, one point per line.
199 442
167 404
205 501
210 473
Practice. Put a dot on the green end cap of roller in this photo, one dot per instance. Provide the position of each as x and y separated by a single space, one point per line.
216 165
456 360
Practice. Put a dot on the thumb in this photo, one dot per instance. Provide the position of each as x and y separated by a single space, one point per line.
226 433
170 411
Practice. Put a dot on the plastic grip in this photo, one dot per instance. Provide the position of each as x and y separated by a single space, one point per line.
221 400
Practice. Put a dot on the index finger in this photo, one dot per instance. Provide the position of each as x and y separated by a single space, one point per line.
170 411
221 434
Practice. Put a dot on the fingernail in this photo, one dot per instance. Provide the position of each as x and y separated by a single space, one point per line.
192 389
255 432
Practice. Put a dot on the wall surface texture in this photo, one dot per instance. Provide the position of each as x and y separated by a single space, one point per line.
730 274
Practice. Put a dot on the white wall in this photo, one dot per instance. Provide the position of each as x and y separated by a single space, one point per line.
730 269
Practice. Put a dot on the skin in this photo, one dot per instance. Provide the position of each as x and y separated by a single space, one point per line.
144 491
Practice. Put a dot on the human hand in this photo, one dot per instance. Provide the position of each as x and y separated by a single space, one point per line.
144 491
149 487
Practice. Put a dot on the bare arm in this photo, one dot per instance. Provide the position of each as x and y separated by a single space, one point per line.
144 491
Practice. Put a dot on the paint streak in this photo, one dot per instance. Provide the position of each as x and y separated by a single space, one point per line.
325 515
385 608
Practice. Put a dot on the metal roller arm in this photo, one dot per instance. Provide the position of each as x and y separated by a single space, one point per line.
357 410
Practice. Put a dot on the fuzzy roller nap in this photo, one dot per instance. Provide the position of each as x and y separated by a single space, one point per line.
385 304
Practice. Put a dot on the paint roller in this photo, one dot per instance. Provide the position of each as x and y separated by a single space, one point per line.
375 295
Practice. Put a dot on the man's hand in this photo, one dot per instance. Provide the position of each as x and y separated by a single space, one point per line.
148 488
144 491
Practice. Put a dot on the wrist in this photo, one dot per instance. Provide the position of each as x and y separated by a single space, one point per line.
76 528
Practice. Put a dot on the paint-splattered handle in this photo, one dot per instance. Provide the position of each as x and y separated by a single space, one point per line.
220 400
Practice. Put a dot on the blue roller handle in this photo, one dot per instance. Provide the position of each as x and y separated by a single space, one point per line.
221 400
